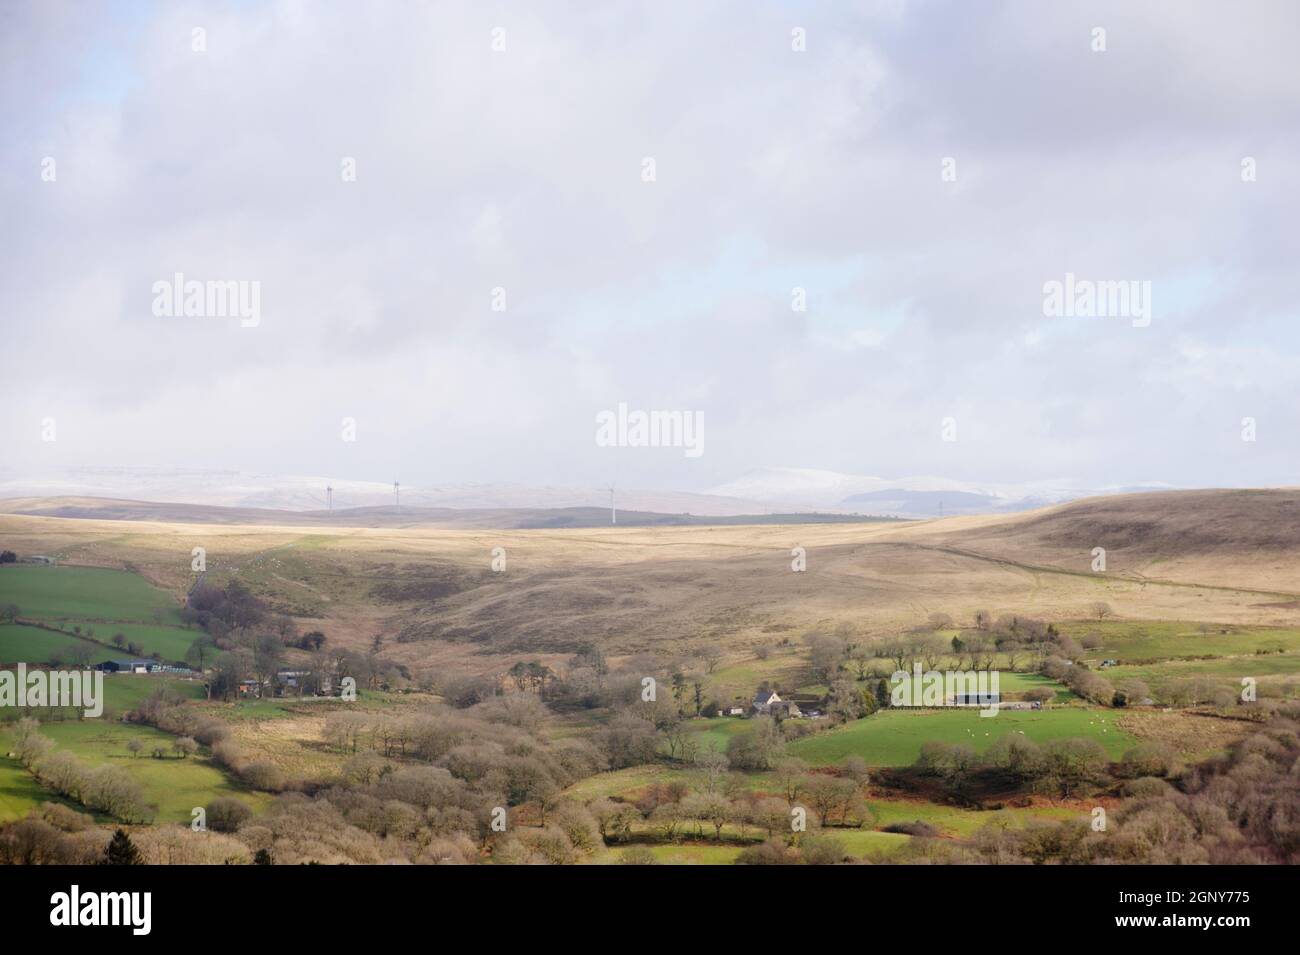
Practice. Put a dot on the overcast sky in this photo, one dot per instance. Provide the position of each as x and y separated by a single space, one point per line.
774 168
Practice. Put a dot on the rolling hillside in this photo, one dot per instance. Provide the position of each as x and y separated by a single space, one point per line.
1212 555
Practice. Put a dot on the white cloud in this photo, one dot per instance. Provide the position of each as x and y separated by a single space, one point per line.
521 169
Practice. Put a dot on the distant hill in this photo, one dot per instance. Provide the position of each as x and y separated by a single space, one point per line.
765 491
919 496
674 583
295 492
1172 524
89 508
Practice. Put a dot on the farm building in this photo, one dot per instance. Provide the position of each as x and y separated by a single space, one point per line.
769 702
128 666
301 682
987 698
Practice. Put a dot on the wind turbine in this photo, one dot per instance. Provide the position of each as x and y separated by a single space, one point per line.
397 497
329 498
613 514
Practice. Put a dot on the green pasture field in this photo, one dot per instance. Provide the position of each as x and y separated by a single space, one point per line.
1129 640
122 692
85 593
105 601
172 785
715 732
126 691
895 737
171 642
19 792
683 854
23 644
694 854
868 844
1014 684
287 707
955 821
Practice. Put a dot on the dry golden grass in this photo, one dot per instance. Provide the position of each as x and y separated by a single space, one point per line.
1192 736
672 590
294 744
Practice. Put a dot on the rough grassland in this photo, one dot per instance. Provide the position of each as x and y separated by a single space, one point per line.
1130 640
677 589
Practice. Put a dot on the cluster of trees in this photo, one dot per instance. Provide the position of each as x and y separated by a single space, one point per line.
242 639
812 849
1085 682
426 786
1199 691
169 713
791 824
105 789
419 786
586 681
675 810
1061 767
1092 686
259 656
219 610
1241 809
56 835
1021 641
53 835
427 778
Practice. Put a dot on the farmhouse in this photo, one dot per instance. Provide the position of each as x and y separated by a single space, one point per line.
292 679
769 703
302 682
